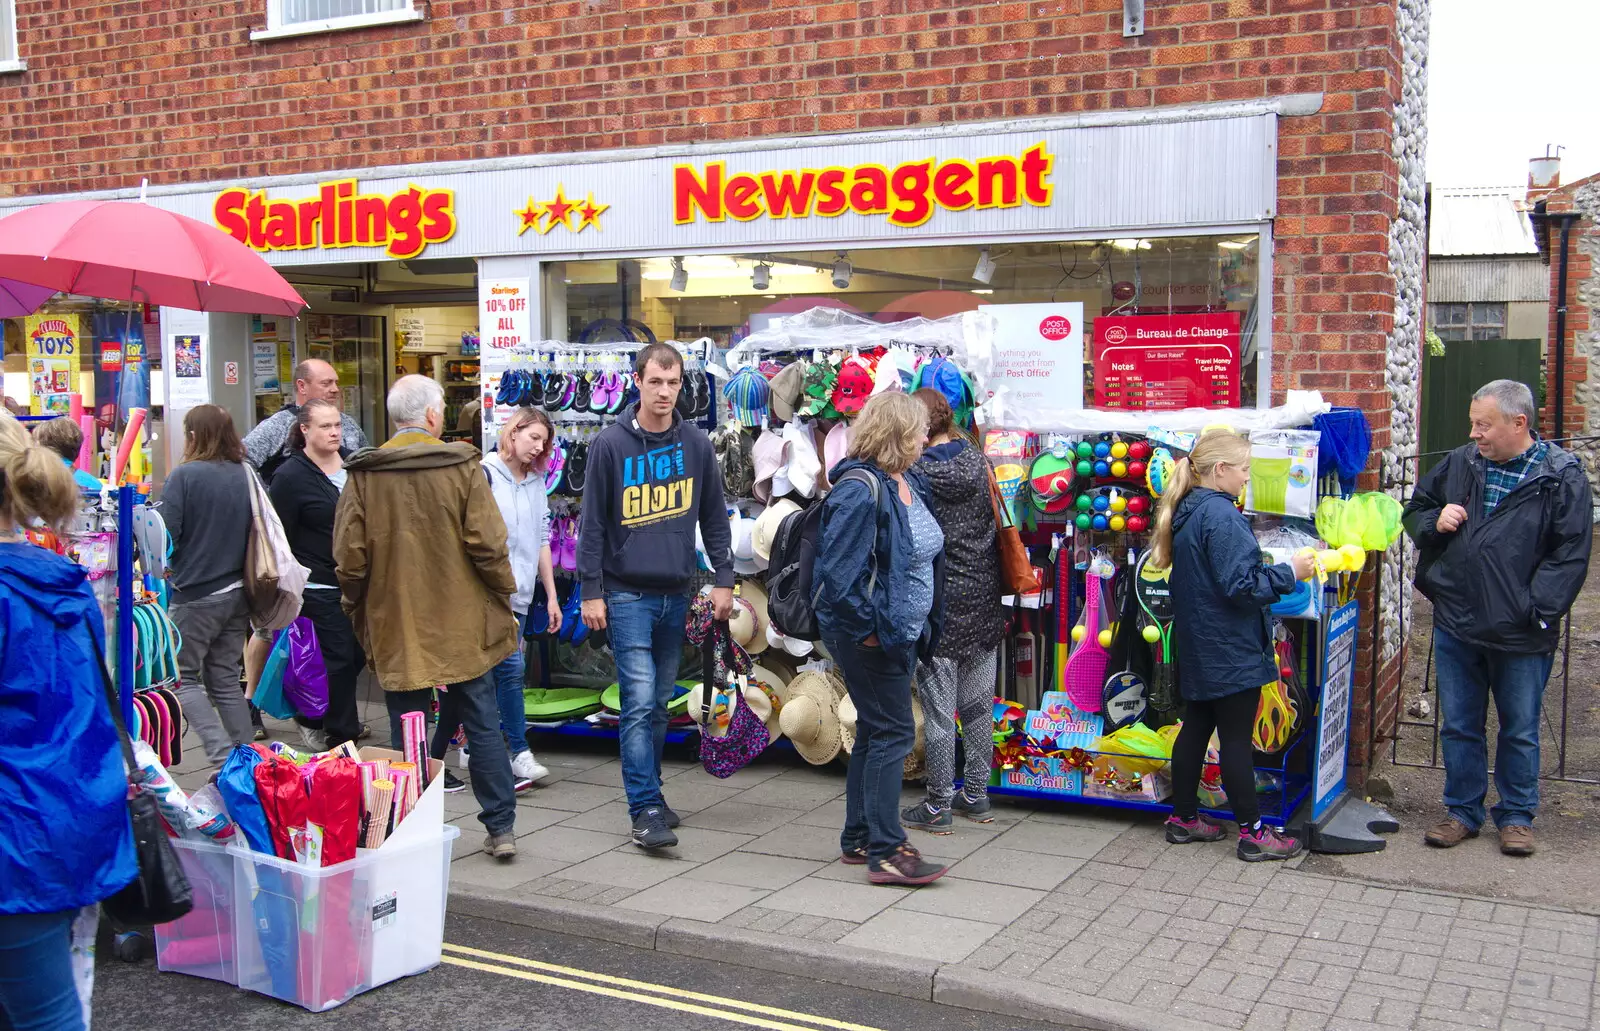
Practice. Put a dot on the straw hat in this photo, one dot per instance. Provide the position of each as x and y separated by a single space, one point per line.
748 624
767 523
759 701
808 718
755 592
916 762
769 683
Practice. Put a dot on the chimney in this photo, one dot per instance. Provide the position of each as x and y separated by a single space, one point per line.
1544 175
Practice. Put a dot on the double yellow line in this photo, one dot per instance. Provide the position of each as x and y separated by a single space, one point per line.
665 996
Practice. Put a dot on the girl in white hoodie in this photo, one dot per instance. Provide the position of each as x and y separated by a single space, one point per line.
517 475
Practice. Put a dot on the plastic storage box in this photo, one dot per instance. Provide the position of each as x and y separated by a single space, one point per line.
316 937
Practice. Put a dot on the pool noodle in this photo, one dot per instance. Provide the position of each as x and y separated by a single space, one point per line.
129 437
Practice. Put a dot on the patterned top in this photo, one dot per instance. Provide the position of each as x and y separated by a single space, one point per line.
974 620
1501 478
927 540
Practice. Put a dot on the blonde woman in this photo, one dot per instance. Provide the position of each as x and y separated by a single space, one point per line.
1223 636
879 575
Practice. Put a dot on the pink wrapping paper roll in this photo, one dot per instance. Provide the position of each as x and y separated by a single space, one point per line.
125 447
86 449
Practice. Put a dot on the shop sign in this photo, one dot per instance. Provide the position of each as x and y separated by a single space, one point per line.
110 356
503 313
908 194
1333 715
52 347
402 223
1167 362
1038 360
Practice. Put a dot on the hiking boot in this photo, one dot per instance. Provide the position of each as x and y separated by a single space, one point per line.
978 809
1264 843
650 829
671 817
904 865
1516 839
452 783
1194 829
854 856
501 846
925 817
525 770
1448 833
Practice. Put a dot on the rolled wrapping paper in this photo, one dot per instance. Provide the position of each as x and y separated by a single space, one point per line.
347 750
186 817
86 449
414 734
403 781
125 447
379 803
74 406
413 790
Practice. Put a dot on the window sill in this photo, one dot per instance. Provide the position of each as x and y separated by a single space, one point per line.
357 21
13 67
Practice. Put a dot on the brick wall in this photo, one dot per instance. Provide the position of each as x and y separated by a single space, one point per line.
1580 413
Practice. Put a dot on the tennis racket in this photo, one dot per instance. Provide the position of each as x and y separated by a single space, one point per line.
1154 591
1084 677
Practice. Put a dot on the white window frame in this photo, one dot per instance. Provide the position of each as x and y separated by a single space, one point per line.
278 29
10 50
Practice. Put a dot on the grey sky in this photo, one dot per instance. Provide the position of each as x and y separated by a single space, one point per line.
1504 80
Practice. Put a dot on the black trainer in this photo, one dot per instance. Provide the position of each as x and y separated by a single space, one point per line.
452 783
904 865
672 817
650 829
924 817
978 810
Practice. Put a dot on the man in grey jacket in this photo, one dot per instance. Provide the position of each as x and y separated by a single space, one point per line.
1504 527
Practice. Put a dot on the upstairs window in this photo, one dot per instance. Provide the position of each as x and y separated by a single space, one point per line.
1480 320
303 17
10 59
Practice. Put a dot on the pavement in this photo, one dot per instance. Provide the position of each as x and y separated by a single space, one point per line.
1068 914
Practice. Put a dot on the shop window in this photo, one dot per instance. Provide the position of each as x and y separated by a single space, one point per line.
10 59
302 17
1478 320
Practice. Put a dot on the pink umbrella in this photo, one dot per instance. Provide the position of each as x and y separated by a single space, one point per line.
19 299
131 251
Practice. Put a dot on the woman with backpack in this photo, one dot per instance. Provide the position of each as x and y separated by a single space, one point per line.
305 492
878 579
65 839
961 675
1222 592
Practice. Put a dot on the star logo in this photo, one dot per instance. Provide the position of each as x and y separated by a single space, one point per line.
589 213
530 216
558 211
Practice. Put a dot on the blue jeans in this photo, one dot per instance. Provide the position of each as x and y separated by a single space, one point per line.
37 988
1468 674
646 632
879 683
471 705
508 693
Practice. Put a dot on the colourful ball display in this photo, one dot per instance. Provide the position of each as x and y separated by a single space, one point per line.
1119 503
1101 522
1101 503
1083 503
1105 638
1151 634
1139 450
1118 523
1102 468
1085 449
1138 504
1119 469
1078 633
1102 449
1138 524
1084 467
1083 522
1136 470
1119 450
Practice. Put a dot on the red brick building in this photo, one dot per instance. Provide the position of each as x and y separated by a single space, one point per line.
1258 155
1566 223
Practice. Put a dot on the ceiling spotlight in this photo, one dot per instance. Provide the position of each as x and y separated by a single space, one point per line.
761 278
842 271
680 276
984 270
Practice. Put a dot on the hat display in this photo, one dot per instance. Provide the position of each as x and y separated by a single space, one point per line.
853 386
768 455
743 528
816 390
802 467
835 446
784 391
808 718
790 645
760 703
766 528
748 391
733 449
773 685
748 621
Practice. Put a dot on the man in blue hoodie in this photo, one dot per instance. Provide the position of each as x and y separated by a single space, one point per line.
651 480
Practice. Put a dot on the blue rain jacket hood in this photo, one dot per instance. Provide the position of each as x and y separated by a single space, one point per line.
65 837
1222 593
852 533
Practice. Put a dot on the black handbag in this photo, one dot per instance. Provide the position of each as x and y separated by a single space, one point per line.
161 893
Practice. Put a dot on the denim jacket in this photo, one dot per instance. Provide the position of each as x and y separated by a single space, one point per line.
854 534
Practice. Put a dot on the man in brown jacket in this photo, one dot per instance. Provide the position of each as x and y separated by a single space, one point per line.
422 561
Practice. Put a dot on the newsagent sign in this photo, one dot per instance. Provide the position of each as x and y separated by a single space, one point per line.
964 183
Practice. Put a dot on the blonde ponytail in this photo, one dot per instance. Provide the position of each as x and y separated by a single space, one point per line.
1216 447
34 482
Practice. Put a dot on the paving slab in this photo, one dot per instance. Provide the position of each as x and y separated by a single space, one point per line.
923 935
834 899
999 865
695 899
740 818
973 900
626 870
752 870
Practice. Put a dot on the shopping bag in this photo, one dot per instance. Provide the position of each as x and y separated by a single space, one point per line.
305 682
269 696
274 582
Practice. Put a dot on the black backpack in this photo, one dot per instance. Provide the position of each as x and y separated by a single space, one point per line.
791 595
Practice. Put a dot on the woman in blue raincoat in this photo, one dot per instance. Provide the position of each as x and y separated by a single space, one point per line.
65 838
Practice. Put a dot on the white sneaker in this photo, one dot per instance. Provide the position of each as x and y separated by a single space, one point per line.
525 769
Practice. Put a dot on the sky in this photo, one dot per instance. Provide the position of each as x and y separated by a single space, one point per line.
1504 80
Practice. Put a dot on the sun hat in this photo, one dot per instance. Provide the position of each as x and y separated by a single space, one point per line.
852 387
766 528
834 448
788 645
808 718
749 621
748 391
759 701
773 684
784 391
768 455
803 467
745 560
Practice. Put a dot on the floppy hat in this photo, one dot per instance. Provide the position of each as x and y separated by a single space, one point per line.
744 556
754 592
784 391
771 683
834 448
766 528
748 625
808 718
846 708
789 645
802 466
768 454
759 701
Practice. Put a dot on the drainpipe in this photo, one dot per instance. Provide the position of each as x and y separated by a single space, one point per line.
1561 325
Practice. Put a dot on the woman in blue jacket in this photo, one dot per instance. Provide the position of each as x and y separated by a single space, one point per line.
878 576
65 838
1223 637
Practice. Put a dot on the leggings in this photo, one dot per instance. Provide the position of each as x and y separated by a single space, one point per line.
1233 717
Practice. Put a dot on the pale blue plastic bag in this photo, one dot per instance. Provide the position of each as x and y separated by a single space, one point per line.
269 696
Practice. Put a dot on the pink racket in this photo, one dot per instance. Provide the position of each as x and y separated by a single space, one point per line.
1084 677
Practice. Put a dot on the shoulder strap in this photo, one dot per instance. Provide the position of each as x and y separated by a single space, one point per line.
111 699
862 476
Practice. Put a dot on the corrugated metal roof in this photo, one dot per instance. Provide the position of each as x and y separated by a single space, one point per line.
1470 220
1488 279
